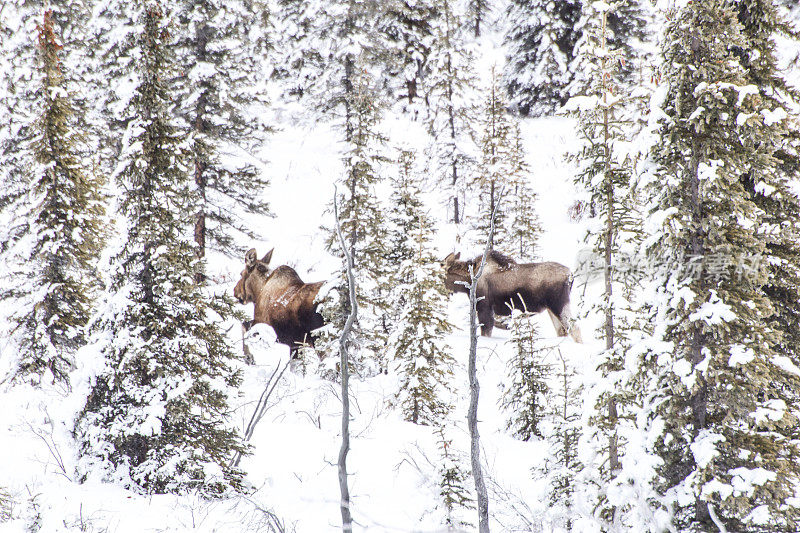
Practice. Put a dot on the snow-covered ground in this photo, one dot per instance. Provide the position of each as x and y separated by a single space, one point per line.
393 464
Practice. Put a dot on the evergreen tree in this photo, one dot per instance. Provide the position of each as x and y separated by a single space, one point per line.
769 178
155 420
624 32
562 464
606 113
222 46
497 166
541 39
420 350
362 221
524 397
479 11
318 46
455 495
408 26
721 394
18 83
523 222
453 110
54 231
406 208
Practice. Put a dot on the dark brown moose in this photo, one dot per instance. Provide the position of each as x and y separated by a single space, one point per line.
281 300
506 285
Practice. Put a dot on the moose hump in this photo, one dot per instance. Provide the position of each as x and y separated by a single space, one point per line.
280 299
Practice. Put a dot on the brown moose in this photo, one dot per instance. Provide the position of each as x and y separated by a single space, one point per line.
506 285
281 299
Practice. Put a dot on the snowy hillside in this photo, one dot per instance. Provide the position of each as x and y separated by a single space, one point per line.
678 410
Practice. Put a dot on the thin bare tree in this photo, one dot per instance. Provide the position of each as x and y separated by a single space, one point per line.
474 387
347 519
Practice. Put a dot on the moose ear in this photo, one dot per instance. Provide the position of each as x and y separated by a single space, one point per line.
267 257
250 258
449 258
457 257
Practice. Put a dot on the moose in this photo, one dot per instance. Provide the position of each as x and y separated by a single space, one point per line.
505 285
281 299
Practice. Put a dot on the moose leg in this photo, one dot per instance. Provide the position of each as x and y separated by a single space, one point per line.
486 318
248 355
569 324
560 330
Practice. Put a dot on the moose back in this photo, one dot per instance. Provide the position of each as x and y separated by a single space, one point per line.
506 285
281 299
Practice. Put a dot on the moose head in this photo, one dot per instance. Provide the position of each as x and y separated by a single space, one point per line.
253 275
455 272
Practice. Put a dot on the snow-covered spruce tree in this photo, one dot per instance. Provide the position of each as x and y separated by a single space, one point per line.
496 167
563 431
222 47
405 207
770 177
721 395
453 109
318 44
55 227
456 497
18 85
418 343
155 420
524 396
606 111
522 220
408 26
540 39
624 33
304 32
363 225
479 11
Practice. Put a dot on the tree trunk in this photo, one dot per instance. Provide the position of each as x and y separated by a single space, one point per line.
613 452
347 519
474 389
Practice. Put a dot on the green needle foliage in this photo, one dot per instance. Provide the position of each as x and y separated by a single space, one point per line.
722 393
156 418
57 231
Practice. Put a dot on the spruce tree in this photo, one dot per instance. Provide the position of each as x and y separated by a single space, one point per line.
18 84
403 217
721 394
452 107
540 40
523 221
453 480
222 46
155 420
562 464
55 230
624 31
496 167
418 344
318 45
607 114
769 179
525 396
479 11
362 221
408 26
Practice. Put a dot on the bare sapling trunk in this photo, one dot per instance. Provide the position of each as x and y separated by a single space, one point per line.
261 407
347 519
474 389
